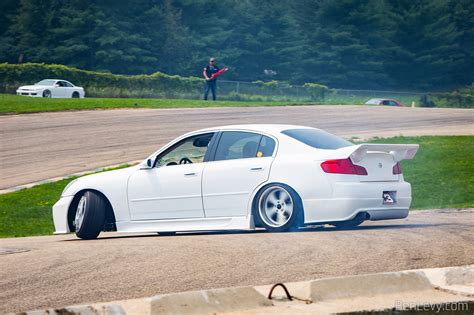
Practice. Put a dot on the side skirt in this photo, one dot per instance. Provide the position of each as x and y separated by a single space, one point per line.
181 225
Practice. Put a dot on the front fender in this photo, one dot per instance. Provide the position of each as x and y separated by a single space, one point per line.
112 184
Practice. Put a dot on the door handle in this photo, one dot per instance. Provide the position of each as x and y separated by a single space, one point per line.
257 168
190 174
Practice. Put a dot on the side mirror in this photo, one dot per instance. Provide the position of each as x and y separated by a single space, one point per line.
148 165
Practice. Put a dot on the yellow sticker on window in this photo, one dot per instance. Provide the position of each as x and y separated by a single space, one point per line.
259 154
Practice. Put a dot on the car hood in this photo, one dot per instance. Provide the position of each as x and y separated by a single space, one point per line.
32 87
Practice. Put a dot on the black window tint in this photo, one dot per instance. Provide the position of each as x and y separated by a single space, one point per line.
267 146
317 138
237 145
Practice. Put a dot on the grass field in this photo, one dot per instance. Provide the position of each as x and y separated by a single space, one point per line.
22 104
441 174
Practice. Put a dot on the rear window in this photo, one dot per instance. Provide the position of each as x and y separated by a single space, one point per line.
317 138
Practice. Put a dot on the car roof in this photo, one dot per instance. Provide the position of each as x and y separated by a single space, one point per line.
273 129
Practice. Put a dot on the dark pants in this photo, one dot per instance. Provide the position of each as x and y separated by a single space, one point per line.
210 85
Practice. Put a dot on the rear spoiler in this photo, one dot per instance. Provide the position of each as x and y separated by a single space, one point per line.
358 152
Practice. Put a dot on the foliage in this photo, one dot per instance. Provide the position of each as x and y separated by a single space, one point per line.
317 91
443 158
374 44
463 97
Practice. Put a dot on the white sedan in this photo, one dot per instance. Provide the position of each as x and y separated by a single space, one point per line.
279 177
52 88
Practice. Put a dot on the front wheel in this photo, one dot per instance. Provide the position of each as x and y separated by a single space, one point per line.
90 215
75 95
279 208
47 93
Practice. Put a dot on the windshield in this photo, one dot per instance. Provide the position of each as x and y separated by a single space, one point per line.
46 82
374 101
318 139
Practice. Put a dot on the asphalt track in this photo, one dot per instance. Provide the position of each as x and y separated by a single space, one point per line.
46 145
62 270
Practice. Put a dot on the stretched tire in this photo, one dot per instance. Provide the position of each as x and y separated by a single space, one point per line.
47 93
357 220
90 215
278 208
75 95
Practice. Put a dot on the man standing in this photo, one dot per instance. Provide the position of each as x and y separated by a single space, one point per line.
211 83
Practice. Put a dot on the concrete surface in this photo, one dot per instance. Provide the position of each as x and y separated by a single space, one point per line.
46 145
62 270
393 292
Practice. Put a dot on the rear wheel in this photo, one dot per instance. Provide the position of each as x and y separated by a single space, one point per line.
90 215
279 208
47 93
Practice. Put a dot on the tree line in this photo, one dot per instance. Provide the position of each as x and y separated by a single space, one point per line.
372 44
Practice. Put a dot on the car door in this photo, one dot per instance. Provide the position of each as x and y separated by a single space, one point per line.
68 89
172 188
59 90
240 163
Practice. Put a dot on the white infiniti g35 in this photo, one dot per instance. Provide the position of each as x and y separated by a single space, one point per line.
278 177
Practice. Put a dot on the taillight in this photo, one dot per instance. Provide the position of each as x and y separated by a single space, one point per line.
343 167
397 169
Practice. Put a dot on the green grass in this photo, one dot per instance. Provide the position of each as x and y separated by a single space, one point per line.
23 104
441 174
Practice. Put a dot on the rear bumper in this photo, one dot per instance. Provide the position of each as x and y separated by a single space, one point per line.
60 210
349 199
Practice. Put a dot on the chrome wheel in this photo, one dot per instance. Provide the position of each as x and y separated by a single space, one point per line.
81 209
275 206
47 93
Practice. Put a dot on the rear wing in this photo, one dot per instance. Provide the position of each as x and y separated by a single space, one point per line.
358 152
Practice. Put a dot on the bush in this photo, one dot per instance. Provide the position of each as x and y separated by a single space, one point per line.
464 97
274 87
98 84
316 91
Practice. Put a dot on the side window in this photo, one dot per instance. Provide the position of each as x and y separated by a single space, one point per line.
67 84
237 145
187 151
266 148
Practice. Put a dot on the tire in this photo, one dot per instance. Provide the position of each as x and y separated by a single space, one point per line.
90 215
278 208
47 94
166 233
75 95
357 220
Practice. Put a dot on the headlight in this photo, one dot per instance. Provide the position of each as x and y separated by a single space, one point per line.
68 185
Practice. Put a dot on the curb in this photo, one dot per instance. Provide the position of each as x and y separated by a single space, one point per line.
380 292
209 301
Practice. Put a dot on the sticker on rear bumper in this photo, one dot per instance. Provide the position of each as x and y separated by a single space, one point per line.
389 197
